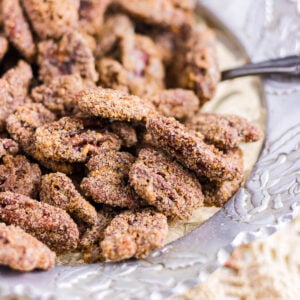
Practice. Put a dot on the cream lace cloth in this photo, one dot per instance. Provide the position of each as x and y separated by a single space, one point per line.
263 270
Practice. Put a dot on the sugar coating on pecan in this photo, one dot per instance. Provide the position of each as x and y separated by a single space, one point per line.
70 54
3 46
13 90
49 224
113 75
51 19
19 175
113 30
177 103
165 41
224 131
17 29
58 190
165 13
59 94
91 15
137 68
115 105
107 180
196 65
142 60
134 234
218 193
21 251
90 240
22 125
165 184
189 148
125 132
8 147
68 140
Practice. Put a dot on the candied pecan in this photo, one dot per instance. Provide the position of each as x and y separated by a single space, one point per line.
134 234
125 132
22 124
91 15
58 190
90 241
165 184
68 140
218 193
13 90
20 176
17 29
52 18
165 42
59 94
112 74
224 131
140 69
114 29
21 251
107 180
141 58
3 46
49 224
196 66
166 13
69 55
8 146
185 4
189 148
177 103
115 105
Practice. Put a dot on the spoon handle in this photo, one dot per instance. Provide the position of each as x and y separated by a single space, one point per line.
289 66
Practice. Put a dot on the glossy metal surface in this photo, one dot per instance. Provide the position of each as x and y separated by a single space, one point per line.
271 197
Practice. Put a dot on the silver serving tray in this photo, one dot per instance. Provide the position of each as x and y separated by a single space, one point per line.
271 197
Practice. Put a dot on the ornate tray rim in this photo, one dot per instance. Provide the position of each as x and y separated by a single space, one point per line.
269 200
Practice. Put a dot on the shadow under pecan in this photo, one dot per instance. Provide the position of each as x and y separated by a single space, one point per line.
90 240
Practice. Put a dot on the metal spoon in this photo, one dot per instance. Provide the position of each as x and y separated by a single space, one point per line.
289 66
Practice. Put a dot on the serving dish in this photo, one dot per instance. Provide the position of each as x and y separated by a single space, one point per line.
270 199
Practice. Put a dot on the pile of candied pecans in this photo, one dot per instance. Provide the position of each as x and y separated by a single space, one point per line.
102 138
